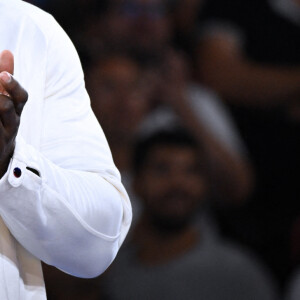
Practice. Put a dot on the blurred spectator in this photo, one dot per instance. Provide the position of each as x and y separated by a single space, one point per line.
150 26
202 112
120 99
249 52
168 256
120 90
123 94
141 28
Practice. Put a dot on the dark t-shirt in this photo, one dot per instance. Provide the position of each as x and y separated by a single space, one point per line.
212 270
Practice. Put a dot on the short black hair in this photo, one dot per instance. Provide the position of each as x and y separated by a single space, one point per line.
165 137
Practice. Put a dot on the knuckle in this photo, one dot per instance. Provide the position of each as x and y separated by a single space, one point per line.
17 91
21 95
25 95
14 83
6 106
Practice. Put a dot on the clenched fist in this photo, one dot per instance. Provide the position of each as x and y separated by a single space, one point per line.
12 100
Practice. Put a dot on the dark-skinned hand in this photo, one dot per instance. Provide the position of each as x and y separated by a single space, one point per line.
12 100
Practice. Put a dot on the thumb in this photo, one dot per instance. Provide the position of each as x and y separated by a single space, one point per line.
6 61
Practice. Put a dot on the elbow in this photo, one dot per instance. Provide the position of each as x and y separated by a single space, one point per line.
95 266
88 259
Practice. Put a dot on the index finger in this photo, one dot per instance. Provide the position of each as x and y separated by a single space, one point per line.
17 93
7 61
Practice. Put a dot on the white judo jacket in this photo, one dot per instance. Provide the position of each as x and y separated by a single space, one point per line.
76 214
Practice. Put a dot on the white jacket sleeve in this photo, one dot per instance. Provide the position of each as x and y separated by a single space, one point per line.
76 213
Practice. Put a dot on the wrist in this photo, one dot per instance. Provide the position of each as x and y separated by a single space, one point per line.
4 167
5 160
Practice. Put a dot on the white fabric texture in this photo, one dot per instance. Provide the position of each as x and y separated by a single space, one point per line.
76 214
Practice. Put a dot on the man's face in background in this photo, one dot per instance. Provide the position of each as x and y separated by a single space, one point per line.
118 97
172 184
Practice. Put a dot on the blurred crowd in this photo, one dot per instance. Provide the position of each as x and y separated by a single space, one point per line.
200 103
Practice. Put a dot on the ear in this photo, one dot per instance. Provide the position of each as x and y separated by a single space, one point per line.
7 61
